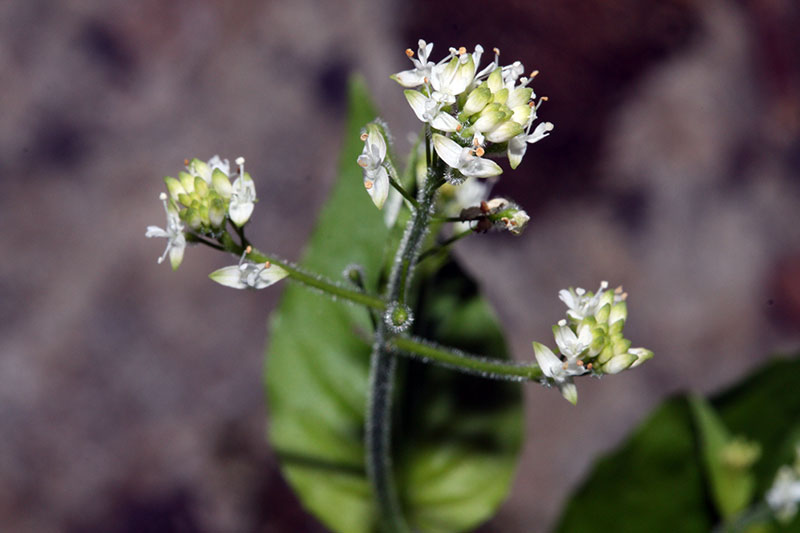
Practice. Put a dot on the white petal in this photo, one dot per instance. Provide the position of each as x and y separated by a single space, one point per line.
482 168
417 102
448 150
229 276
445 122
269 276
375 139
541 131
516 151
176 251
409 78
569 391
379 189
155 231
550 364
566 340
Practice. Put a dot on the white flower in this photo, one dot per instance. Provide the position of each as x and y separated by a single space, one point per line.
581 304
569 344
558 372
455 76
243 196
422 67
248 275
518 145
376 178
784 494
176 242
464 159
205 170
429 110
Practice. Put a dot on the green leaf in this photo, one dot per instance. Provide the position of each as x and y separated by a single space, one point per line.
655 481
731 487
456 439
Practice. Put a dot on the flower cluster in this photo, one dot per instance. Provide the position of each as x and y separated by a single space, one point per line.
784 495
473 111
589 340
203 198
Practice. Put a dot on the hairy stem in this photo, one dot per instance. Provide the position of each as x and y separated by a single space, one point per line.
444 244
310 280
464 362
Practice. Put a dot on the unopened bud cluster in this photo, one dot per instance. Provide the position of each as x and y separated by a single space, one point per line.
589 340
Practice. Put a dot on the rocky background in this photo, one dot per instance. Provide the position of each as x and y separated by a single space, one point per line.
131 397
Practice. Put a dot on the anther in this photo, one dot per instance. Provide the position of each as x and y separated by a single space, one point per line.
496 51
565 366
459 127
544 98
162 196
604 285
580 363
426 80
589 366
364 136
462 51
186 162
368 185
248 249
409 52
531 103
534 74
479 151
267 264
485 208
562 322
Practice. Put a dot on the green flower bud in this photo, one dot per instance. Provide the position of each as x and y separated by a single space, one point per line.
221 184
200 187
500 96
495 80
477 100
618 363
504 132
187 180
519 97
604 312
217 211
192 218
203 214
521 114
488 120
642 355
185 199
174 187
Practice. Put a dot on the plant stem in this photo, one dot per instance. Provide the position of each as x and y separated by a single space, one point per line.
464 362
310 280
379 435
383 363
757 514
402 191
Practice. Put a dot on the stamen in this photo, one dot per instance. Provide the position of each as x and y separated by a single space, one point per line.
459 127
368 185
162 196
565 366
589 366
562 322
580 291
485 207
409 53
479 151
364 136
604 285
267 264
580 363
544 98
531 104
496 51
186 162
534 74
462 50
248 249
240 162
426 80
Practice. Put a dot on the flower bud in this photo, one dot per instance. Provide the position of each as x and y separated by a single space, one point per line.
504 132
200 187
477 100
187 180
217 211
618 363
174 187
221 183
642 355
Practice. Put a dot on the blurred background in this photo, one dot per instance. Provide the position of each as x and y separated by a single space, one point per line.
131 397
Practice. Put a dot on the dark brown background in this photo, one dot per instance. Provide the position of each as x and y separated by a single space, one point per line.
131 396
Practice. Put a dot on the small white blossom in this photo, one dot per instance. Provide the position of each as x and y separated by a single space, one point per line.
784 495
558 372
176 241
243 196
429 110
464 159
376 178
422 67
569 344
248 275
579 303
455 76
518 145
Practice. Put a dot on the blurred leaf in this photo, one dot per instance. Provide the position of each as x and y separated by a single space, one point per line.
654 481
731 487
457 437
